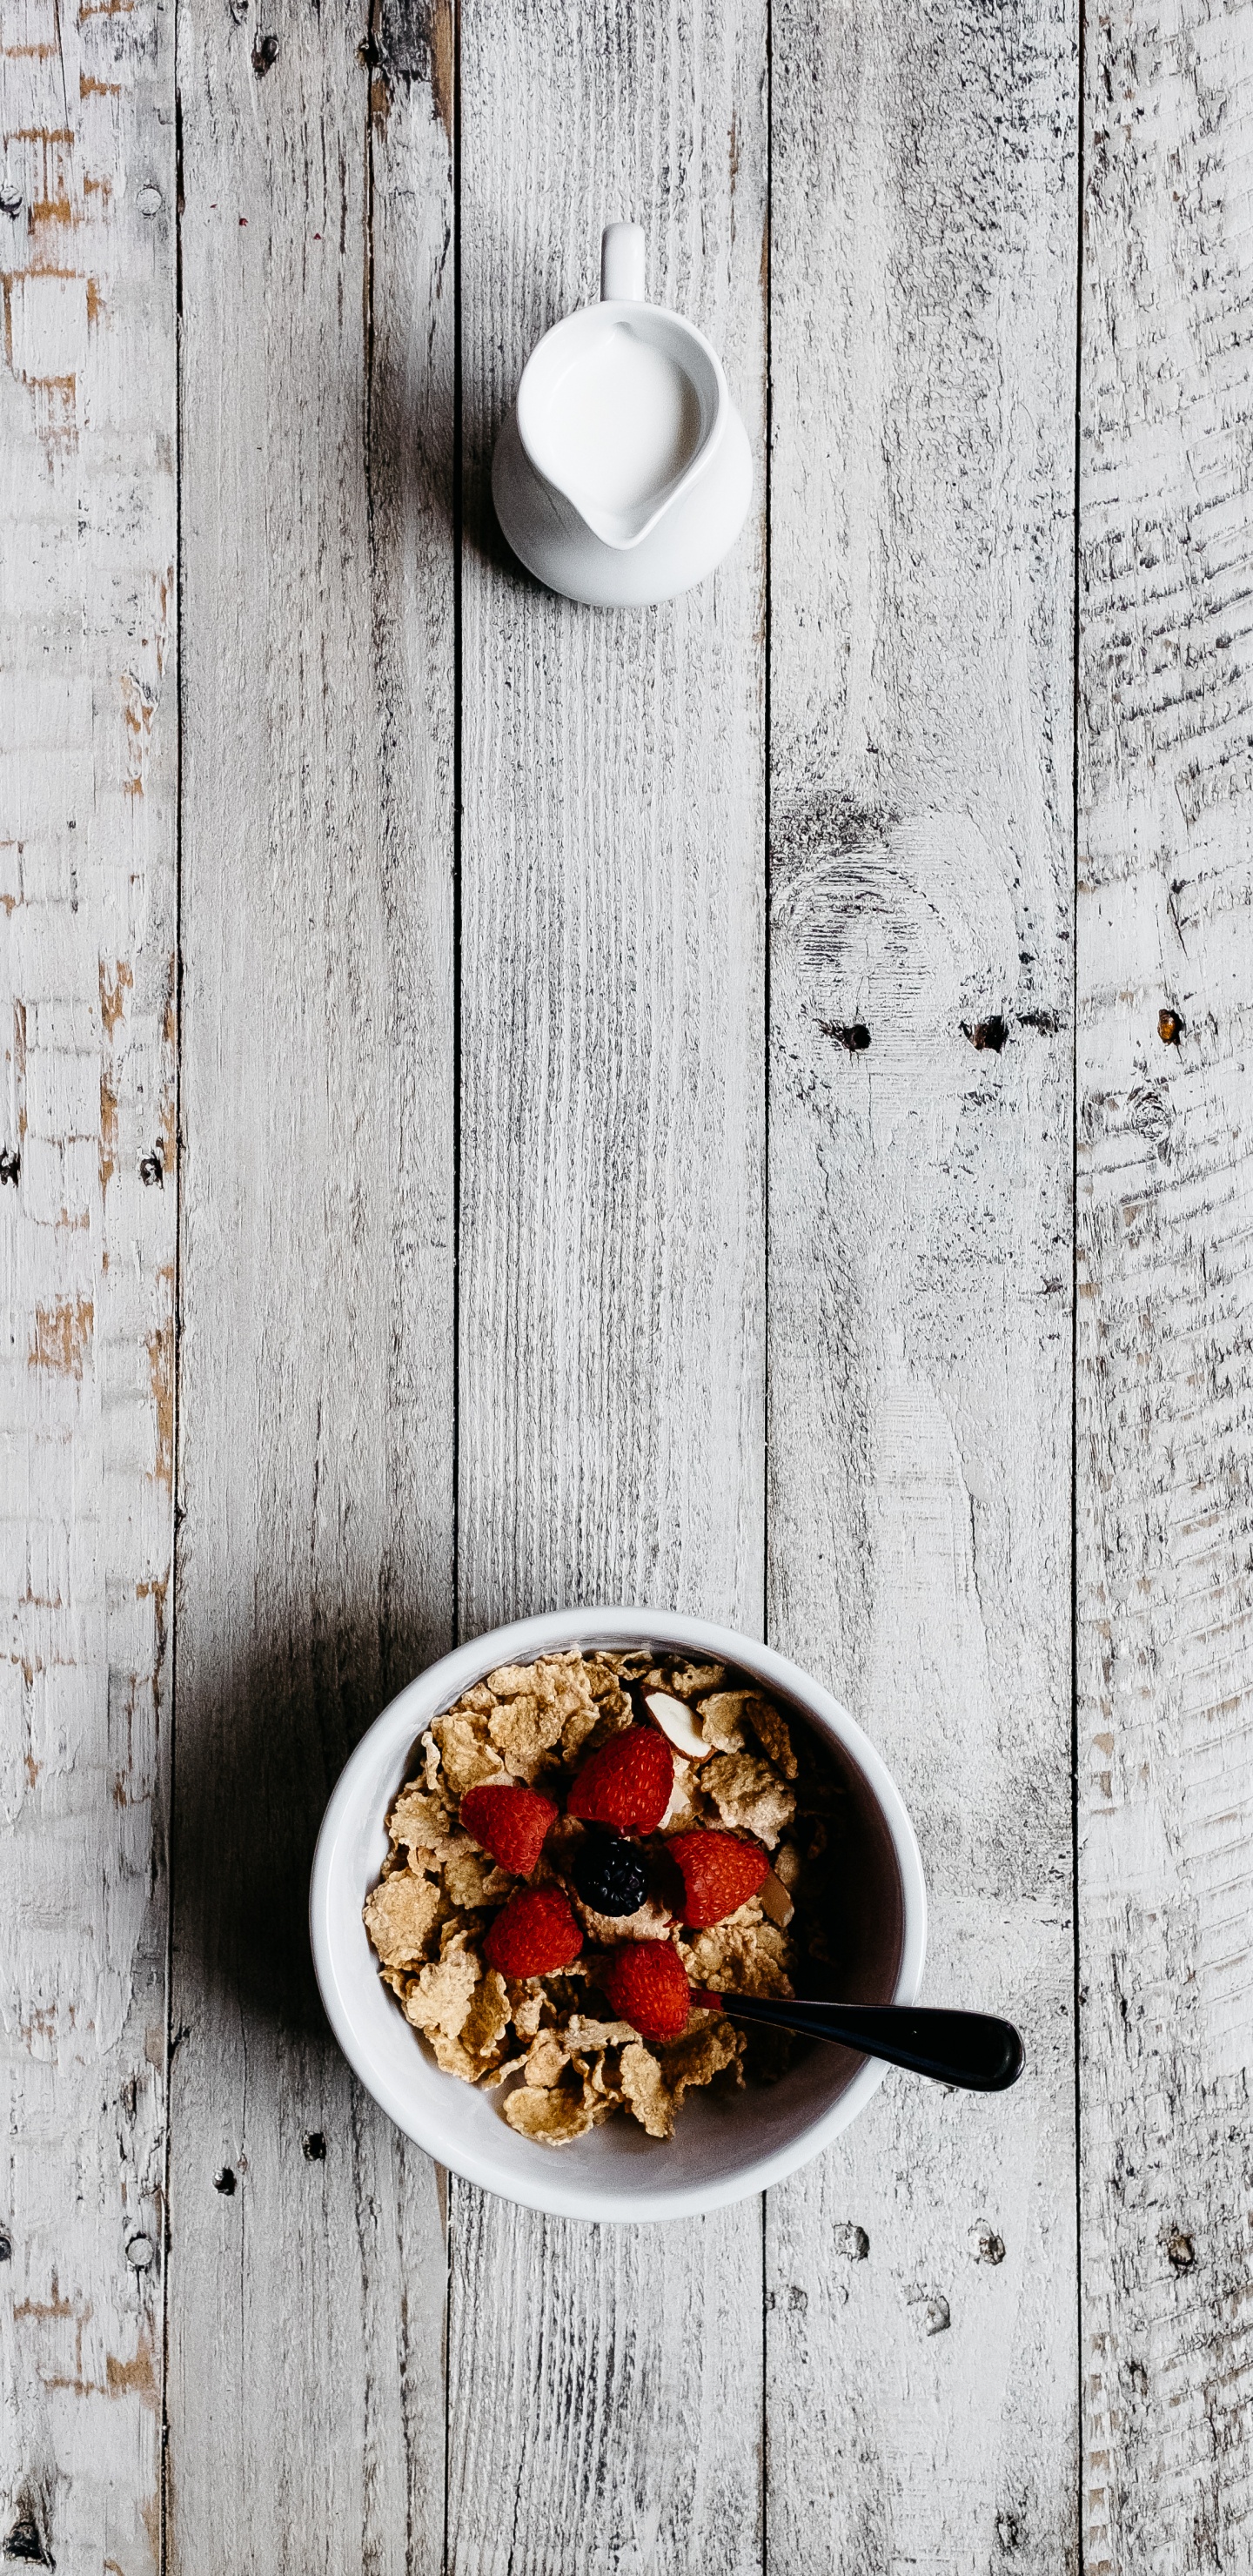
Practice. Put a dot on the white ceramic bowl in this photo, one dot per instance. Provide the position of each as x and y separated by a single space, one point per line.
722 2148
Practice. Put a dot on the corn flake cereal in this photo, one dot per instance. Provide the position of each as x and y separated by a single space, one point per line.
553 2117
567 2062
400 1915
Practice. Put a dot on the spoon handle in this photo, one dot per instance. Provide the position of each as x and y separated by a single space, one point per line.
972 2049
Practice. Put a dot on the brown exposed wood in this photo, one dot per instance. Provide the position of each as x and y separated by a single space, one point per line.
87 514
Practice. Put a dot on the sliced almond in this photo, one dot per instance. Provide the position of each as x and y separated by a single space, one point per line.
675 1720
773 1898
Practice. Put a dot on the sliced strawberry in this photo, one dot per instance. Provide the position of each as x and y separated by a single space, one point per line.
646 1985
627 1784
508 1821
534 1934
719 1874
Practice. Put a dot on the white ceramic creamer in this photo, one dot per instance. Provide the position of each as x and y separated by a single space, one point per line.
622 474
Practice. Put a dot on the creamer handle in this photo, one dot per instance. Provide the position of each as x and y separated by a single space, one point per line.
622 264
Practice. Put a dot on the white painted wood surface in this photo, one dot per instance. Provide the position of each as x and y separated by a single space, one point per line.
611 1274
478 1302
307 2287
920 2278
1165 1534
88 771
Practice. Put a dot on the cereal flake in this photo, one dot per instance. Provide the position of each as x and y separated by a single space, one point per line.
400 1915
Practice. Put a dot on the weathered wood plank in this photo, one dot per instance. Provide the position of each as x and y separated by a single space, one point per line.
308 2278
1166 1208
88 767
605 2387
920 2279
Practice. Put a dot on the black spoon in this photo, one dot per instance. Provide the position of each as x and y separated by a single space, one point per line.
972 2049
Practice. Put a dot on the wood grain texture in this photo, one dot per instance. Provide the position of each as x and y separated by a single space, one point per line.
307 2255
88 767
921 2366
606 1345
1165 1212
605 2390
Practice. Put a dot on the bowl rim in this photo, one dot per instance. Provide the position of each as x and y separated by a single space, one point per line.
398 1725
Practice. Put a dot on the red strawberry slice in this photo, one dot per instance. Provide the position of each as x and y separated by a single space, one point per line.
646 1985
509 1822
719 1874
533 1934
627 1784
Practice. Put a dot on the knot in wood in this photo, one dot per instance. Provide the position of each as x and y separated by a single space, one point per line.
987 1033
24 2542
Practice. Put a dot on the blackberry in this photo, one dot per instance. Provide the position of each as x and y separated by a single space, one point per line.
610 1876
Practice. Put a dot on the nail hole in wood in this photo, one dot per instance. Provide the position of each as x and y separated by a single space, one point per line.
1180 2251
989 2247
315 2147
10 1168
6 2246
264 55
10 200
1007 2531
24 2542
224 2181
152 1171
1169 1026
987 1033
856 1037
852 2242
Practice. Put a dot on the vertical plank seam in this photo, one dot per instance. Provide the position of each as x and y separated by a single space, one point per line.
1080 2526
766 828
457 508
170 2041
767 1024
458 543
373 56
